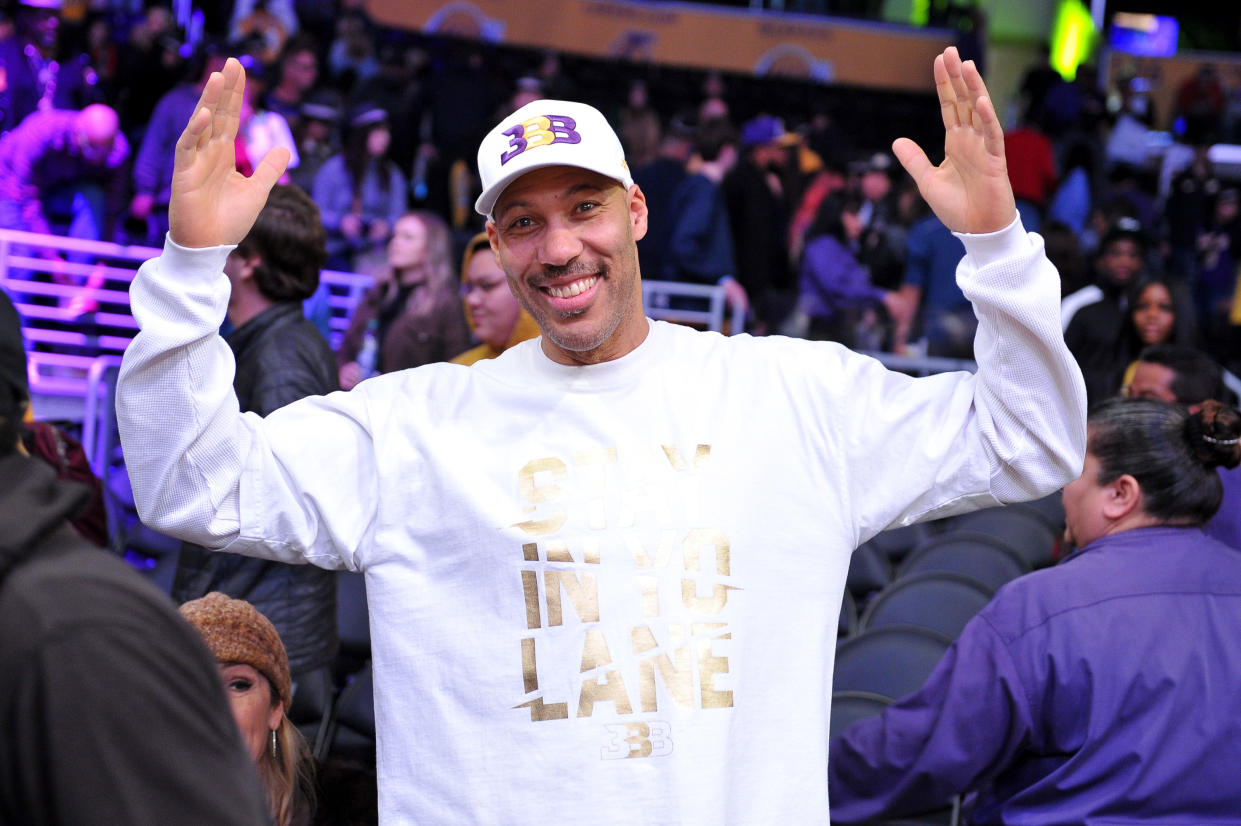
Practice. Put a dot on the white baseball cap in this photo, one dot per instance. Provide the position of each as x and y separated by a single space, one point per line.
548 133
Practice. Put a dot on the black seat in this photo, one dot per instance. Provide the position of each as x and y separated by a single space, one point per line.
353 623
976 555
895 543
891 661
1050 509
1020 528
314 695
352 736
869 570
850 706
938 600
848 616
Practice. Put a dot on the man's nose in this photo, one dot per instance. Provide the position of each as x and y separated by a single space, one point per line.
560 246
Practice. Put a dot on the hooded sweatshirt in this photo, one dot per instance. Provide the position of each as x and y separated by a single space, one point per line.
111 709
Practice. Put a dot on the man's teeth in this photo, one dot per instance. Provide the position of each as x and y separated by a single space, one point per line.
570 290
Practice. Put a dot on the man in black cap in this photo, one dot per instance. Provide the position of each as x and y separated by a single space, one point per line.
1095 316
759 219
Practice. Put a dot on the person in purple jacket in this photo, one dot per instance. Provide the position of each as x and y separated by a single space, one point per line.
1100 691
836 300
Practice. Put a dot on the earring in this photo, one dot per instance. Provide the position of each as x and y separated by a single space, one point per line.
273 744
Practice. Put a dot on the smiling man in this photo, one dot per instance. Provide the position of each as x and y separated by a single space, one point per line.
605 567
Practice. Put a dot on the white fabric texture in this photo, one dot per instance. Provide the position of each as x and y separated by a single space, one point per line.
603 594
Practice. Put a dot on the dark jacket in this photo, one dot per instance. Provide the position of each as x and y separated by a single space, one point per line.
281 357
700 243
1098 338
415 336
759 223
111 708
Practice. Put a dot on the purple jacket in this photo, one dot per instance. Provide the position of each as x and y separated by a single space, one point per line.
1105 690
41 155
832 279
1226 524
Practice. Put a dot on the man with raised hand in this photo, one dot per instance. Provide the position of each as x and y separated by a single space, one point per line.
605 568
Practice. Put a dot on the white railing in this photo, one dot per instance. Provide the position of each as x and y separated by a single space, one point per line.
73 297
699 305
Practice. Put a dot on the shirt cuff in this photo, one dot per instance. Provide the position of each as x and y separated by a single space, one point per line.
179 259
989 247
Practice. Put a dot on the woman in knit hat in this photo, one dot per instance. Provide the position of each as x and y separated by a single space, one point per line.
255 670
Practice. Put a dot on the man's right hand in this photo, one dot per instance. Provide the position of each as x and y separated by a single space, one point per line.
212 203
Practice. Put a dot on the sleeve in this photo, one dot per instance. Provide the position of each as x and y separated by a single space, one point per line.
157 145
840 280
455 336
116 178
332 192
129 726
1013 431
397 195
917 258
688 240
964 724
29 142
189 451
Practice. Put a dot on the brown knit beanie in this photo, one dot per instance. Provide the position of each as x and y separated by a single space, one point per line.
236 632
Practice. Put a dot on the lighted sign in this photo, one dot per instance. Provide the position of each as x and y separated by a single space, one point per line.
1149 35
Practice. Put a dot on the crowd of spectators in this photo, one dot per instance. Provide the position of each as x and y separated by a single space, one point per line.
808 223
752 183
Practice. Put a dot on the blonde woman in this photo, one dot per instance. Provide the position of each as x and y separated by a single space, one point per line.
412 314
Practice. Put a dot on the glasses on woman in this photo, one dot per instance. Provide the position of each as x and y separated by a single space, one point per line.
486 287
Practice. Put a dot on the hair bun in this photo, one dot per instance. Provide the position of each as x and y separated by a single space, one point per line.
1215 434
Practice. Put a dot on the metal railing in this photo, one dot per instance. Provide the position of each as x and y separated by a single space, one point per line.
699 305
73 297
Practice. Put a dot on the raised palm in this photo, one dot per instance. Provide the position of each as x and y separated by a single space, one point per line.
212 203
969 190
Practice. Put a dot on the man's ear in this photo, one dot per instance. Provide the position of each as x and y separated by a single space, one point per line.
493 238
249 264
1124 496
637 212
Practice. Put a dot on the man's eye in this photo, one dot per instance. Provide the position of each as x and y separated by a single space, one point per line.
586 206
240 684
523 222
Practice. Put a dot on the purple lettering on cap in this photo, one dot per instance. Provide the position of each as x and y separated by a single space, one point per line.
543 130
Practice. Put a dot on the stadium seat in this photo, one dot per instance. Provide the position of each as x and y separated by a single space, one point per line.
1023 529
848 616
938 600
353 623
897 542
850 706
352 735
976 555
891 661
869 570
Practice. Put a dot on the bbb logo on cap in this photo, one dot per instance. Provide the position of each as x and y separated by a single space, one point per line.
543 130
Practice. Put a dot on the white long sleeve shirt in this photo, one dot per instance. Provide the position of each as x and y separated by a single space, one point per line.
603 594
